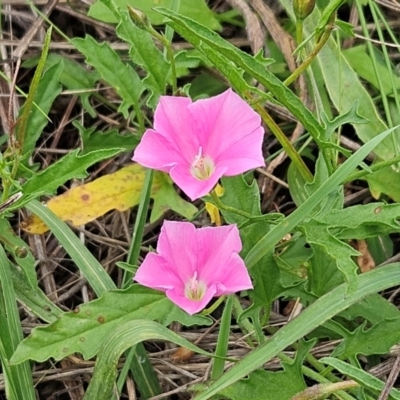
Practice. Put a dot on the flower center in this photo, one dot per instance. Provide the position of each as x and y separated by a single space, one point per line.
195 289
202 166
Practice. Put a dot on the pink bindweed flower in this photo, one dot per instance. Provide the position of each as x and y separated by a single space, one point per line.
194 265
197 143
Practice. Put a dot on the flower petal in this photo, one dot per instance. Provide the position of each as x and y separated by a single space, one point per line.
156 273
155 151
195 188
238 161
224 120
177 244
173 120
191 306
233 277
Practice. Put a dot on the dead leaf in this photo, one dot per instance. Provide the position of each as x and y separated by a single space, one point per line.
120 190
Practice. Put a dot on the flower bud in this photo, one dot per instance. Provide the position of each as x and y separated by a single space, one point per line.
139 18
303 8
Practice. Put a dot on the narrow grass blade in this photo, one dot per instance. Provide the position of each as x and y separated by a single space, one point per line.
18 377
315 315
124 337
305 210
359 375
91 269
223 339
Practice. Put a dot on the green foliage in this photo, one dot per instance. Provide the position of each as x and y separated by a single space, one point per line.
73 165
267 385
315 315
106 61
84 329
93 140
195 9
47 91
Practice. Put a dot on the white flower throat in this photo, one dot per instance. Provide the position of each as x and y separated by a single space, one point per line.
195 289
202 166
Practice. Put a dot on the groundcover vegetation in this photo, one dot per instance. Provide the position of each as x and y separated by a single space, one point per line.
199 200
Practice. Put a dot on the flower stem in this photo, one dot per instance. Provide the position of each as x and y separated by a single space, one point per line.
320 44
285 142
213 307
170 54
224 207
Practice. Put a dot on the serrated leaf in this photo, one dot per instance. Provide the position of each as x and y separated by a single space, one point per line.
106 61
48 89
268 385
318 235
70 166
84 329
93 140
313 316
301 190
144 52
75 77
242 196
364 221
345 88
378 339
217 47
119 190
195 9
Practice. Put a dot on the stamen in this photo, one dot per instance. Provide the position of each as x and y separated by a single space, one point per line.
195 289
202 166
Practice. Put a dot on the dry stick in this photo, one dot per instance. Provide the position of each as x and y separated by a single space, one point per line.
391 380
24 42
254 28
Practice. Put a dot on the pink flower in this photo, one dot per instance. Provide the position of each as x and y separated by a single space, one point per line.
197 143
194 265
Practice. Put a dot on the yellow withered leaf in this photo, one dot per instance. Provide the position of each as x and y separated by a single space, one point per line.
120 190
213 211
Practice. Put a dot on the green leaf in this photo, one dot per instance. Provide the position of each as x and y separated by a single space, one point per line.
301 190
376 340
18 378
242 196
94 140
48 89
318 235
267 385
106 61
91 269
166 198
345 88
84 329
33 298
361 62
362 377
76 78
313 316
323 271
144 53
386 181
288 224
20 251
195 9
364 221
73 165
216 47
123 337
